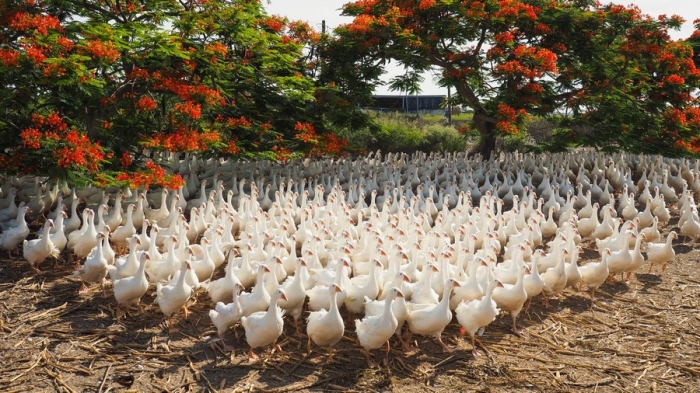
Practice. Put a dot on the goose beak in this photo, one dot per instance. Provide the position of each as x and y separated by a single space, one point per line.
266 269
499 284
283 296
303 262
406 279
435 268
455 284
338 289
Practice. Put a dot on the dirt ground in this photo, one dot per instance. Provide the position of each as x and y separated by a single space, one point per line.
640 336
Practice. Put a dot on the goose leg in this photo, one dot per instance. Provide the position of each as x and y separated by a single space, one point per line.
444 346
475 351
409 336
370 363
185 312
331 352
83 288
405 346
515 325
298 332
308 346
37 271
386 353
252 357
227 348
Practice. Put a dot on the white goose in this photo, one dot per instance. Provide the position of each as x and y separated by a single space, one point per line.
128 265
129 290
399 306
476 314
296 295
511 298
364 287
431 320
37 250
174 296
594 274
264 327
15 235
258 299
95 267
318 299
57 233
122 233
375 331
326 328
81 242
225 315
661 253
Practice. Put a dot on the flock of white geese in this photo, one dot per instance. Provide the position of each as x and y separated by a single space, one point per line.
397 240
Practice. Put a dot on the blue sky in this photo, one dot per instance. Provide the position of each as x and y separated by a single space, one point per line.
315 11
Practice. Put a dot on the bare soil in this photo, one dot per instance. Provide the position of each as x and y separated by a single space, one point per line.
640 336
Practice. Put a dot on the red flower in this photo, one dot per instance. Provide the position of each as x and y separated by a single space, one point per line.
504 38
9 57
102 50
146 103
31 138
674 79
305 132
189 108
125 159
425 4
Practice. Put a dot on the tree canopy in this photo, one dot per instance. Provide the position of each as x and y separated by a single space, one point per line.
608 74
88 84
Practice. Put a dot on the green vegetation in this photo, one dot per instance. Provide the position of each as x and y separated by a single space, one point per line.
407 133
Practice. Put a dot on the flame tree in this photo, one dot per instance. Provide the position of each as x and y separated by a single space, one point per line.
586 65
87 84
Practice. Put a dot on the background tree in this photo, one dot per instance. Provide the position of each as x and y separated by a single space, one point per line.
608 67
409 83
87 84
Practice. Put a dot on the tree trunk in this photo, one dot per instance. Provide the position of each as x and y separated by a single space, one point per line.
487 130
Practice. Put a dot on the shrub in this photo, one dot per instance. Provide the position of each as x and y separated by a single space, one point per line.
393 132
443 138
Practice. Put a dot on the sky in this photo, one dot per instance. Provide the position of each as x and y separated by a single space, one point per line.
315 11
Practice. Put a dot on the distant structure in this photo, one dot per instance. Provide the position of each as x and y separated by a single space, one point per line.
411 103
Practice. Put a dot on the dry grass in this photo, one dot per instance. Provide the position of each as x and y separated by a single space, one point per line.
640 335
